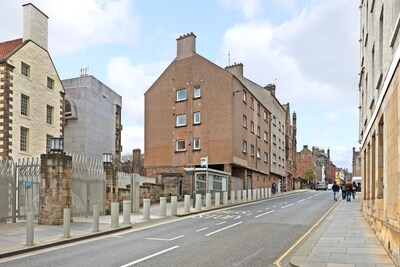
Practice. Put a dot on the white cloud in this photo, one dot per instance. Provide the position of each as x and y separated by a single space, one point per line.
76 25
248 7
132 81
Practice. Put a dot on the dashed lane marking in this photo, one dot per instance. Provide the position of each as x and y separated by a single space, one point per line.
264 213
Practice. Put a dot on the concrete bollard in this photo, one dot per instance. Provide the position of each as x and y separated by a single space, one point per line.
96 218
217 199
146 209
244 195
163 206
249 195
239 196
198 202
174 205
208 200
187 204
30 217
114 214
225 200
126 210
67 223
233 197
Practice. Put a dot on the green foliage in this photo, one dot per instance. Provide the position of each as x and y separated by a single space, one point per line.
309 174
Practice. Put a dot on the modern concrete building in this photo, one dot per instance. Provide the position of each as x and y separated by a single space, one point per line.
379 111
31 93
92 117
198 110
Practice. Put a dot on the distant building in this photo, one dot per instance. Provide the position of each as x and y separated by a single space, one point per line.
379 120
92 117
31 93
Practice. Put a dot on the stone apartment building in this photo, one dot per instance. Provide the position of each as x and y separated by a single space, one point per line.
92 117
197 109
356 163
291 147
31 93
379 120
319 161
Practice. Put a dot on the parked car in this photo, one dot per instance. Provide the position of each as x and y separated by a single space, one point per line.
319 185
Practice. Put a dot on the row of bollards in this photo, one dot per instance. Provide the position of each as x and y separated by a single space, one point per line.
238 196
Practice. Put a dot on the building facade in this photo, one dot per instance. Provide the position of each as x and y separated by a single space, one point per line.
197 110
379 120
31 93
92 117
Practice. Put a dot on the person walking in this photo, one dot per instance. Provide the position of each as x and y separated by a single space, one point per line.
343 188
349 189
273 187
335 189
354 190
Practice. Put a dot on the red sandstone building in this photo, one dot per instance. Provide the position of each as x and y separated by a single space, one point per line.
196 110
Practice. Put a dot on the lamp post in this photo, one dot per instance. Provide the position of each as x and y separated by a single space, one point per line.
111 180
107 158
56 145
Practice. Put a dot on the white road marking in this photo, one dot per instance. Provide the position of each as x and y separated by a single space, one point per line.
202 229
164 239
287 206
258 211
267 208
301 200
148 257
249 214
221 223
223 228
264 214
310 197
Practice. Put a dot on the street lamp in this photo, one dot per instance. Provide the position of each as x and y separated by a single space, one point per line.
107 158
56 145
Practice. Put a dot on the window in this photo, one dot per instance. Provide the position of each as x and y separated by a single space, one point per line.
265 157
258 153
49 114
181 95
274 158
265 116
181 120
197 92
244 148
251 150
244 122
258 109
252 127
23 141
196 117
50 83
252 103
244 96
48 142
258 131
25 69
266 137
180 145
274 139
196 143
24 105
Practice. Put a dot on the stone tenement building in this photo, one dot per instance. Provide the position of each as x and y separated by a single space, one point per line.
31 93
318 161
92 116
197 109
356 163
379 111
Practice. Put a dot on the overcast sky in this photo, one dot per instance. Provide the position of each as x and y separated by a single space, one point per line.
308 48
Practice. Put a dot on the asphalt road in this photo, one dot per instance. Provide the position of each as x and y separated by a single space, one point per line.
254 234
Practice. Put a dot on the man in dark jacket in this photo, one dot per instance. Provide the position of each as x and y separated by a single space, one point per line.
335 189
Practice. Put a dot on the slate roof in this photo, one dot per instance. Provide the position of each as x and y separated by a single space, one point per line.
8 46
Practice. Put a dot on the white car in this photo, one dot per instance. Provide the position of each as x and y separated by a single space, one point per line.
320 186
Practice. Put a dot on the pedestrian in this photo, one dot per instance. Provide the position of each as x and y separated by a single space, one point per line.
349 189
335 189
343 188
273 187
354 190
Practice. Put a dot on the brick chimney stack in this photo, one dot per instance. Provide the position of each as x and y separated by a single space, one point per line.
35 25
186 45
236 69
271 88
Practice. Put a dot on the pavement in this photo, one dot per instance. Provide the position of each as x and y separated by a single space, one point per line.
342 238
